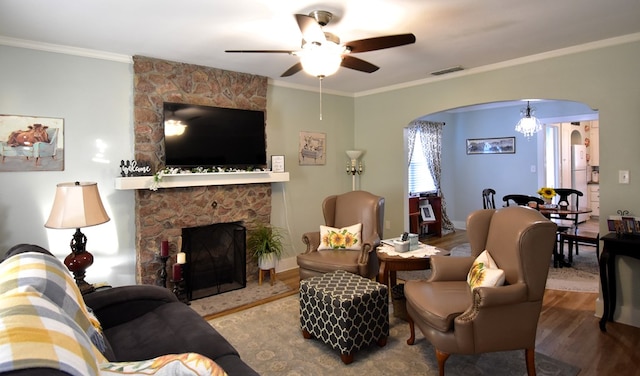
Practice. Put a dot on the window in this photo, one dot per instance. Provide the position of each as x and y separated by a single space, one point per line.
420 179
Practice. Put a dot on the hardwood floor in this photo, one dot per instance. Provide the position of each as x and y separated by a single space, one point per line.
567 330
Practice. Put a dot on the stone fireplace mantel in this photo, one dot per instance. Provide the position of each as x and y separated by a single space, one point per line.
202 179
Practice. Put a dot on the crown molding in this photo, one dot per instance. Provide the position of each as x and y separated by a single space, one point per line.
630 38
50 47
95 54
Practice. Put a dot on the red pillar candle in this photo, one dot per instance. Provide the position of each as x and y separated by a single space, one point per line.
164 248
177 272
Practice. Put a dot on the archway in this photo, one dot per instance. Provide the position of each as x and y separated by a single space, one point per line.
464 175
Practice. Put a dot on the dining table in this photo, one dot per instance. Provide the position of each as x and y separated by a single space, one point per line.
558 211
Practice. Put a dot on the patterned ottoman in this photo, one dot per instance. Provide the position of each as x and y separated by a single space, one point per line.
344 310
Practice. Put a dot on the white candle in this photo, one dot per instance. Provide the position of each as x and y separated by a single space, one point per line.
181 258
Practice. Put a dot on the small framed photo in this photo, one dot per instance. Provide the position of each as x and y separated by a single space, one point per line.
629 225
426 212
277 163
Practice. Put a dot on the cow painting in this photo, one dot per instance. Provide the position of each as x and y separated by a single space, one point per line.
34 133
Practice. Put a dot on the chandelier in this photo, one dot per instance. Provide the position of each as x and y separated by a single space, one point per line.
528 124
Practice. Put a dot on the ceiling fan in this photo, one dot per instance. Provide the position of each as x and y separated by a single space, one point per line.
322 54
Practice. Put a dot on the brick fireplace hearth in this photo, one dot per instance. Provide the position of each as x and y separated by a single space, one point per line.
161 215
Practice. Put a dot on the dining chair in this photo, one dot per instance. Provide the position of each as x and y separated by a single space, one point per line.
487 198
523 200
567 222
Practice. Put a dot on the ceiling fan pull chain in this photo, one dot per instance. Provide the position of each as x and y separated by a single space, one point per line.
320 77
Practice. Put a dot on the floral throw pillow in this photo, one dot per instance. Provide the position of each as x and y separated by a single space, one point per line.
485 272
341 238
187 364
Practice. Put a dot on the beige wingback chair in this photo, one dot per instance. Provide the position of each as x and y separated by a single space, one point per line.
342 211
457 320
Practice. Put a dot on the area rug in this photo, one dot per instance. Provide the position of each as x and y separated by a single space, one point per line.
582 276
253 292
269 339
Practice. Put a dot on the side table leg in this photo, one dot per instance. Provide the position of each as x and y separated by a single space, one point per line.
604 282
382 273
611 280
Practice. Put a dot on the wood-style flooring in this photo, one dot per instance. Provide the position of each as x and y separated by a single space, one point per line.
568 329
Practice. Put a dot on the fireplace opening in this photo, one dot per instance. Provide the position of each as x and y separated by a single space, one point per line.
216 259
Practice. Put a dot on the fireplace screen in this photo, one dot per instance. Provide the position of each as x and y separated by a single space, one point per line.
216 259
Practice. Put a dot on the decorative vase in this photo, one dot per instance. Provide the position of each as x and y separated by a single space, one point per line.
547 201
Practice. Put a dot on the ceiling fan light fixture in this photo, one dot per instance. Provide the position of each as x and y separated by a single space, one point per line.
321 60
528 124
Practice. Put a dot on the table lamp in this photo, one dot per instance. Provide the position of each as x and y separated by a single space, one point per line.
77 205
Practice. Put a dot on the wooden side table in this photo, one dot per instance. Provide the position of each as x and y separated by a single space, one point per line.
614 245
390 264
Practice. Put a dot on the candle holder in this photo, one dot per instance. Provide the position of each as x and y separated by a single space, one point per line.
163 271
178 290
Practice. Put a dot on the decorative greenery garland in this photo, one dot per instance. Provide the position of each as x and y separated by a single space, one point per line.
157 177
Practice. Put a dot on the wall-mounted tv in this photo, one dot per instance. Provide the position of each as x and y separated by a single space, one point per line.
205 136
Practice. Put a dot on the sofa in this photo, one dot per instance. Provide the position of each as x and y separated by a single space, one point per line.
112 331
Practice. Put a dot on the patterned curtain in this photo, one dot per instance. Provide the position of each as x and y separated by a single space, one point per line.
431 138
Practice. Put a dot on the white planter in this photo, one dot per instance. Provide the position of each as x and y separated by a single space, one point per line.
267 262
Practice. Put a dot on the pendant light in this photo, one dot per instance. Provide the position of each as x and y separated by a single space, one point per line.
528 124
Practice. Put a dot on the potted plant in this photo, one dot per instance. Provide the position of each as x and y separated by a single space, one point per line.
265 244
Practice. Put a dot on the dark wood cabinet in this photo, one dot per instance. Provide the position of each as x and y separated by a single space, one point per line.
417 225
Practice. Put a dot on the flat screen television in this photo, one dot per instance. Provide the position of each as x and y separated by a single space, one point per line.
205 136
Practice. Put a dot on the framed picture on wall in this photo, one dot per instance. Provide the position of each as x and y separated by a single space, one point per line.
312 148
31 143
501 145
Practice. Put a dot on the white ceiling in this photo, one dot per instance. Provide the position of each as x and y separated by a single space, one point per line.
469 33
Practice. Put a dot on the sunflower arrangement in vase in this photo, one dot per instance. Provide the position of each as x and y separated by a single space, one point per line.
547 194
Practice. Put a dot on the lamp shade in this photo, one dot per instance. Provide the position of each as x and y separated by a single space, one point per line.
354 154
76 205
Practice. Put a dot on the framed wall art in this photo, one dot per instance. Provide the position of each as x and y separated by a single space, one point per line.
501 145
31 143
312 149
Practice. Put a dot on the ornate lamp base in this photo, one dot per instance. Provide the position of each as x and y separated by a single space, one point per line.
79 260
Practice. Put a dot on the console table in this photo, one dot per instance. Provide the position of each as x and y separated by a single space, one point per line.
614 245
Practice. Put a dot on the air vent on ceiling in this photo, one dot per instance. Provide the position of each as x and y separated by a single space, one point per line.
447 70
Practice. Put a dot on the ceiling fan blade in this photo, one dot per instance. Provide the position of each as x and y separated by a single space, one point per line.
379 43
310 29
293 70
358 64
261 51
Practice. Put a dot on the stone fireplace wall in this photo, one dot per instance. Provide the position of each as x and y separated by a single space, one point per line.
162 214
